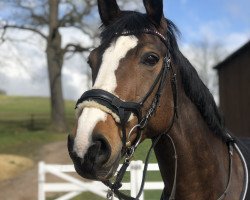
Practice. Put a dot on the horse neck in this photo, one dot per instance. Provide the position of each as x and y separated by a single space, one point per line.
202 156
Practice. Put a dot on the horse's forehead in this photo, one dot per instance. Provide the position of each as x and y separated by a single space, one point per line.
118 50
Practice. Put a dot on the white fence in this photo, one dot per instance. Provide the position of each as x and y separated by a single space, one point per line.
73 186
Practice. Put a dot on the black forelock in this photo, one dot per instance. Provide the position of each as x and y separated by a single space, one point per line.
136 23
131 21
194 88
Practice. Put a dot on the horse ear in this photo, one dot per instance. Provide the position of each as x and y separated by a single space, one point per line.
108 10
154 9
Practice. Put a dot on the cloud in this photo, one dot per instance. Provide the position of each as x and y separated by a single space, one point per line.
183 2
74 35
131 5
217 31
235 40
75 80
227 44
238 10
23 66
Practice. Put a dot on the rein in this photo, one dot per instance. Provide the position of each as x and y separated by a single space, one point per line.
123 110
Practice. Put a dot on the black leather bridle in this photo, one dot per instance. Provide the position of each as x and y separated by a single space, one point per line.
123 109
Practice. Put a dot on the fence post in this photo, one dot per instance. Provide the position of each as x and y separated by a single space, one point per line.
41 180
136 171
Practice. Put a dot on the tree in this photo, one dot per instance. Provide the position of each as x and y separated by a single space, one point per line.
2 92
46 18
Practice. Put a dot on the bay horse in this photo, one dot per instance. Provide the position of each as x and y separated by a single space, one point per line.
143 87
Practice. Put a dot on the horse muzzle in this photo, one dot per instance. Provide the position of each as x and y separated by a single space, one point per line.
94 165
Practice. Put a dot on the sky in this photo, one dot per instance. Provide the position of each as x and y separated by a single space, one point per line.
226 22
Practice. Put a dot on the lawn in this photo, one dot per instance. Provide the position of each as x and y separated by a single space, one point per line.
25 124
25 128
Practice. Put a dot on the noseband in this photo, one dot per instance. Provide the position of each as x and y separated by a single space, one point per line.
123 110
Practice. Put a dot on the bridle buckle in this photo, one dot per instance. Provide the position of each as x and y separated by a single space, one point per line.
110 195
129 153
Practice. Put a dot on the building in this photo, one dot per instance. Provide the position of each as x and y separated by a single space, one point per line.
234 91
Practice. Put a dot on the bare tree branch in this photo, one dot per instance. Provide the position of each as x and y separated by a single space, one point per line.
75 48
36 19
74 16
39 19
54 15
26 28
2 39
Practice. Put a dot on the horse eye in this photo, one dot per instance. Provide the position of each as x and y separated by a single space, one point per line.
150 59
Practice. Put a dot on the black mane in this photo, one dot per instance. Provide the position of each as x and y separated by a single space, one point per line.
193 86
200 95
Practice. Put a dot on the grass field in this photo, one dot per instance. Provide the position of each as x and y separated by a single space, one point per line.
25 128
25 124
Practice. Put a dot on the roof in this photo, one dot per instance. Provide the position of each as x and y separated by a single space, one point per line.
242 49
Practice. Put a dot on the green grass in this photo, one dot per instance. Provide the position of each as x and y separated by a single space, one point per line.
25 124
25 109
25 128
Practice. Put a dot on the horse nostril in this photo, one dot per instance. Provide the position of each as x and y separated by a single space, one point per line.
102 147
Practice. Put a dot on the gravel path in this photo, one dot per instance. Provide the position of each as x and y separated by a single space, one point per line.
24 187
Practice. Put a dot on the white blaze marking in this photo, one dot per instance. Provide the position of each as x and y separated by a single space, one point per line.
86 124
105 80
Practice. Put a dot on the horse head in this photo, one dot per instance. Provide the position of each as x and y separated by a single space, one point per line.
129 69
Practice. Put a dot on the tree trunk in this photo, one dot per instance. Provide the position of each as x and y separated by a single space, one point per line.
55 62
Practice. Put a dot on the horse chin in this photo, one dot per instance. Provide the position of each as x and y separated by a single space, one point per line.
89 169
96 172
112 170
108 170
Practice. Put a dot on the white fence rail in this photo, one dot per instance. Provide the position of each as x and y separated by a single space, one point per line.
73 186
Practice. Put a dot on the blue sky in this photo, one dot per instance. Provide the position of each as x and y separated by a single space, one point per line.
216 18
